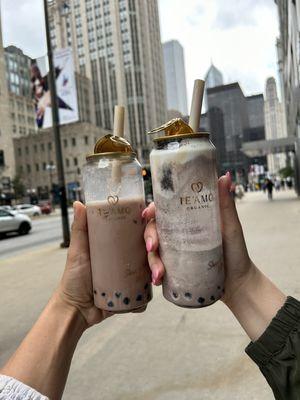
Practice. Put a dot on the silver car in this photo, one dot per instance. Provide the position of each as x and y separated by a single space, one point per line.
13 221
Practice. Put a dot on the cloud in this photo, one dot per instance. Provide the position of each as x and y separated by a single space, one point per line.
23 25
242 13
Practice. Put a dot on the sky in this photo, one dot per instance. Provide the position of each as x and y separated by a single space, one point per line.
238 36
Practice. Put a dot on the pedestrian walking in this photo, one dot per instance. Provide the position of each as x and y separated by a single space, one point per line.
269 187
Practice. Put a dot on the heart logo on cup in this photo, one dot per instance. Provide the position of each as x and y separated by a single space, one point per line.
112 200
197 187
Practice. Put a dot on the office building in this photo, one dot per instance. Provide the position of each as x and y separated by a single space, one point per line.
35 156
175 76
117 45
275 124
7 160
18 71
213 77
228 119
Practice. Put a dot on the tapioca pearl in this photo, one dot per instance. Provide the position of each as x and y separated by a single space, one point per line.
223 291
201 300
110 304
188 295
103 294
219 287
139 297
126 300
95 291
118 294
212 298
175 295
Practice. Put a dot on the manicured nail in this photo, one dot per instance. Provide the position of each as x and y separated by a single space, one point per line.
155 274
144 213
149 243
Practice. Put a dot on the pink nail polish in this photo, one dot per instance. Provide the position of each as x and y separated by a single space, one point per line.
149 243
144 213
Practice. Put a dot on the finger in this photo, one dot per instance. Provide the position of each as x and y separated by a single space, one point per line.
151 236
229 217
149 212
157 268
79 235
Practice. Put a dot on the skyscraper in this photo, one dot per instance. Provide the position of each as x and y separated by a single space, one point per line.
116 43
213 77
18 71
175 76
7 161
274 122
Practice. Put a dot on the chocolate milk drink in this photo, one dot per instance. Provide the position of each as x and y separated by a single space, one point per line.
184 178
114 194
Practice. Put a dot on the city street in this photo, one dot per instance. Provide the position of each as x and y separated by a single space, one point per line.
45 230
166 353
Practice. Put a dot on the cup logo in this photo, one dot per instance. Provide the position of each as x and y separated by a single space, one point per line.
112 200
197 187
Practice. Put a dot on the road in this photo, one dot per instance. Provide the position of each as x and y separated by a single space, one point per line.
167 352
45 230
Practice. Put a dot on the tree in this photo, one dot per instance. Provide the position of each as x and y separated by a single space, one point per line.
285 172
18 186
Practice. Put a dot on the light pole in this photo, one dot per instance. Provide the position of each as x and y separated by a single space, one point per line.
55 121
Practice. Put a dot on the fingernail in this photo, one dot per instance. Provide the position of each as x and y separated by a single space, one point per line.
75 209
155 274
144 213
149 243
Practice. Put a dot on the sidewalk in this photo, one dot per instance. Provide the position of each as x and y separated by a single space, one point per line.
166 353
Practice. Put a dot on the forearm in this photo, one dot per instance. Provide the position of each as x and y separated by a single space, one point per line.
43 359
256 303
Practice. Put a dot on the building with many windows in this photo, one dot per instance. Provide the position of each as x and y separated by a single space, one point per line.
213 77
116 44
36 158
275 124
175 76
18 71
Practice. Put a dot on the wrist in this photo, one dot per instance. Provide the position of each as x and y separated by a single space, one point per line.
255 303
70 312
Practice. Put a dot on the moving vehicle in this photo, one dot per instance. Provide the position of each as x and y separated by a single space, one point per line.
13 221
28 209
46 208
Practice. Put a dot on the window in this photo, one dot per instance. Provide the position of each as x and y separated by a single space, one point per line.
75 161
73 141
44 166
37 167
49 146
67 162
28 168
42 147
35 148
26 150
19 151
86 140
65 143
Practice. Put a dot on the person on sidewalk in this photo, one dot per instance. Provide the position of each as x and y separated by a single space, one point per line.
269 187
39 368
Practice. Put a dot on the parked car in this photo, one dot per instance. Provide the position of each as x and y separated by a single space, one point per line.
28 209
46 208
13 221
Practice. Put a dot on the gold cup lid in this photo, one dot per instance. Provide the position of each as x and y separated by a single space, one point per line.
111 145
176 128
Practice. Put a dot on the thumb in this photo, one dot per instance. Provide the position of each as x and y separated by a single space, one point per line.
79 234
229 217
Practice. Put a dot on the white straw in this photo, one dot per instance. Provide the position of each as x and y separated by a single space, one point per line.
196 106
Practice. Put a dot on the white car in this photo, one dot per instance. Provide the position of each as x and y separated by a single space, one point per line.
28 209
13 221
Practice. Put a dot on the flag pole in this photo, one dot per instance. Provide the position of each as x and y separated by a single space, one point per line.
56 131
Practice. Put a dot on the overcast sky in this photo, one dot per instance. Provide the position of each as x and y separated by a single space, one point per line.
239 36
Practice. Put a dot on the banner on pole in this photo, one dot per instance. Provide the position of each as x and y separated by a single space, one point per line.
65 89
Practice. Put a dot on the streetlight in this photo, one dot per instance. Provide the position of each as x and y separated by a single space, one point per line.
51 168
55 121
